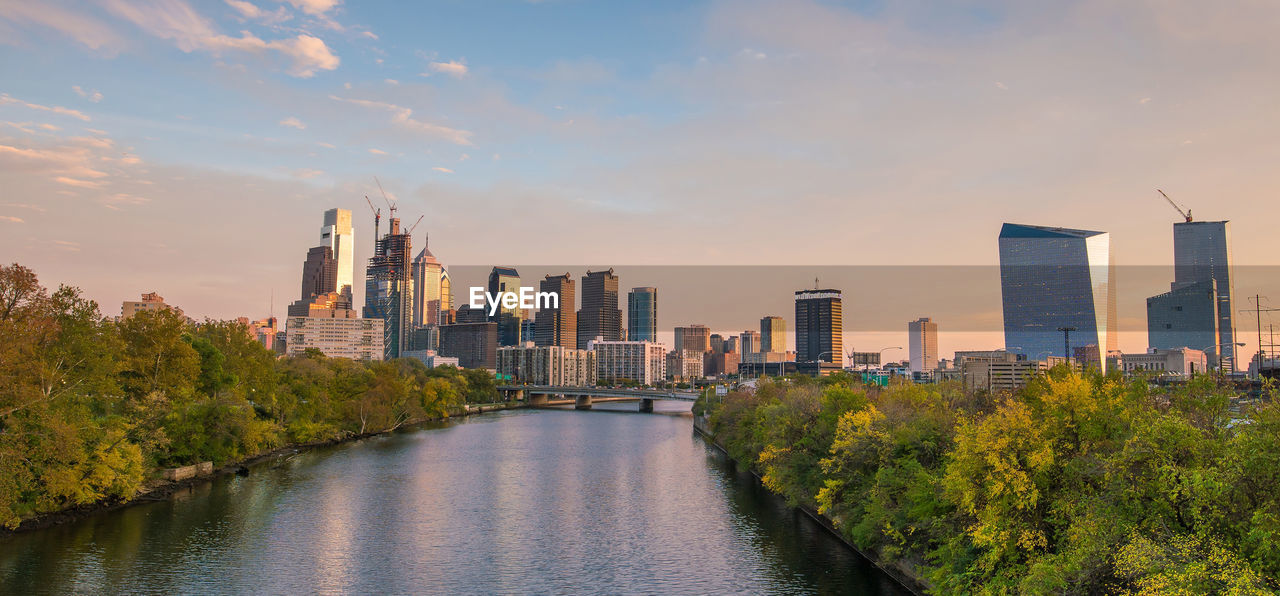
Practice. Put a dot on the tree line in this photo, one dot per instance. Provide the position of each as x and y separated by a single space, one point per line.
1079 483
92 407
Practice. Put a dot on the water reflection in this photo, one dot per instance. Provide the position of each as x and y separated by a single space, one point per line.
517 502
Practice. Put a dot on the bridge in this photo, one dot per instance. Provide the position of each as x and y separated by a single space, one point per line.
541 395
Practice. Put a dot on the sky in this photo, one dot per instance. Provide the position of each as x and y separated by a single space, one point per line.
190 148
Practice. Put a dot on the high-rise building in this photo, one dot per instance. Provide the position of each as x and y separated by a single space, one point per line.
717 343
820 327
1056 287
475 345
751 342
388 293
1185 317
319 272
695 338
1203 287
339 236
599 315
558 326
731 345
151 301
337 333
504 280
642 314
773 334
548 365
639 361
430 287
922 344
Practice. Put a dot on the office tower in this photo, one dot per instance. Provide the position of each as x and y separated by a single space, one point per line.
731 345
922 344
475 345
820 327
717 343
1186 317
388 293
1053 279
642 314
750 341
339 236
466 314
599 316
558 326
337 333
319 272
640 361
695 338
430 287
503 280
1203 287
773 334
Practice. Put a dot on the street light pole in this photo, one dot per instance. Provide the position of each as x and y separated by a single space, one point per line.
1066 342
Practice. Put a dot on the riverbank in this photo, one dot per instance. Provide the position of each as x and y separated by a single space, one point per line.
903 574
159 489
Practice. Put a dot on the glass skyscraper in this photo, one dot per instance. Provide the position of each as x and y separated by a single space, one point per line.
642 314
1056 278
510 320
1202 254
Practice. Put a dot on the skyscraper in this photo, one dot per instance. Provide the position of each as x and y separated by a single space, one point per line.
1203 287
773 334
642 314
1053 279
339 236
599 315
430 287
820 327
751 342
503 280
922 344
319 272
558 326
388 293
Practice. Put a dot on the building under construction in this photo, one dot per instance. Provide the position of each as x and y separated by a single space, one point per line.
389 289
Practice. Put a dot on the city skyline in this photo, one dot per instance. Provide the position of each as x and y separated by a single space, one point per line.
136 120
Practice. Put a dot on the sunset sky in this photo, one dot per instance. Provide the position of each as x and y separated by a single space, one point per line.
190 147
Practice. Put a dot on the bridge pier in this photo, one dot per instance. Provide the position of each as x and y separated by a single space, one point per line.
537 399
583 403
646 405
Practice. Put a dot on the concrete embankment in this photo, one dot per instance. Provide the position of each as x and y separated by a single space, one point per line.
904 574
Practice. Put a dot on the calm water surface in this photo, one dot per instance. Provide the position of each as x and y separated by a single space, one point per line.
550 502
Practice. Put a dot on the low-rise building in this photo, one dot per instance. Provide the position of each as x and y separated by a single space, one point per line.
340 334
1178 363
685 365
430 358
150 302
547 365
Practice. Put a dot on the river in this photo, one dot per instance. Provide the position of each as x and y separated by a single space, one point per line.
526 501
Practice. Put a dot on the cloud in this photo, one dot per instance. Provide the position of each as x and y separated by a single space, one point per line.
175 20
1001 86
391 81
1145 100
74 24
314 7
293 122
377 151
5 98
444 170
250 10
452 68
35 208
67 160
76 182
403 117
67 245
327 145
94 96
11 219
307 173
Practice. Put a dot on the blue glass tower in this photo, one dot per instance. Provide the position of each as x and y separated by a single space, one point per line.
1056 278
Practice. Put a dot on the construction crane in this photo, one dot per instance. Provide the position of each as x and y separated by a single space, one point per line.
377 218
1186 214
415 225
390 206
